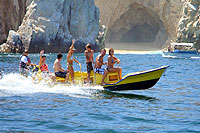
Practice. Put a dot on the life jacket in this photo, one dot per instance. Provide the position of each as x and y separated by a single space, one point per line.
44 67
22 64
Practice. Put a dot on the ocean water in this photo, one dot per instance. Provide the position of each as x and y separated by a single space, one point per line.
172 105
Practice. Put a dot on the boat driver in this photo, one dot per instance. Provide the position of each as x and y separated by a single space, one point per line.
25 62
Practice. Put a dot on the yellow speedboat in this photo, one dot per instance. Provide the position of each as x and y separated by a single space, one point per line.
138 80
132 81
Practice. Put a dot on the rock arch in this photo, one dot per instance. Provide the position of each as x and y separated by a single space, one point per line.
137 24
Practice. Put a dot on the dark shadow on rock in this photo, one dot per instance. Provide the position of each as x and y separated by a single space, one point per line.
58 46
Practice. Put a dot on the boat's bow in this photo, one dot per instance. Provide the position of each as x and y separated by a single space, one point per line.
138 80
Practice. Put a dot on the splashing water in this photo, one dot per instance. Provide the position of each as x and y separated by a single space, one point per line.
14 84
195 57
180 55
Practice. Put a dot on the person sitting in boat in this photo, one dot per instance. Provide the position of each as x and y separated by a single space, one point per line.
89 60
58 70
25 62
70 59
111 61
44 67
98 63
176 49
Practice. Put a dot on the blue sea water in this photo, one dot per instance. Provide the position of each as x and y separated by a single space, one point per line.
172 105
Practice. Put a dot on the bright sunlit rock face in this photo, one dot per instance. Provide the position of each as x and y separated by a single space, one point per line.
51 25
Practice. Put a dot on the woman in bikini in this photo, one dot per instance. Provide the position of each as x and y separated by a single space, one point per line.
70 59
44 67
111 61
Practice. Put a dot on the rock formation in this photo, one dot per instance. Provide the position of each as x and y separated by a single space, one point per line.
11 15
189 24
140 20
51 25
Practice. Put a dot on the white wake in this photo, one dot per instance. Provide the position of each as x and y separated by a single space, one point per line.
14 84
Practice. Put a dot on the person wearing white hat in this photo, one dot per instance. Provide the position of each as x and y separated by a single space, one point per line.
70 59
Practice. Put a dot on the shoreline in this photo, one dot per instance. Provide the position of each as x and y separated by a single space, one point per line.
134 48
134 51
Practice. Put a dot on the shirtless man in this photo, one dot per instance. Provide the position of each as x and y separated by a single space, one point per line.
58 70
111 61
70 59
89 60
99 62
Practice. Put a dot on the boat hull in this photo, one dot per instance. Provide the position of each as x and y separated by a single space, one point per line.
138 81
180 54
133 86
183 52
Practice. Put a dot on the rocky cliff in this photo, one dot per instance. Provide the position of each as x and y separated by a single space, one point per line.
140 20
51 25
189 24
11 15
159 21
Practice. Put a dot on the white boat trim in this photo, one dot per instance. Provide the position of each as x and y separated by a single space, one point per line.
182 44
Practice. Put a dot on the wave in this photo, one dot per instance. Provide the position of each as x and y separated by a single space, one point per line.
14 84
195 57
169 56
180 56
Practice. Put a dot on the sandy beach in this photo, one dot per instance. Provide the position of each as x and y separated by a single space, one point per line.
133 47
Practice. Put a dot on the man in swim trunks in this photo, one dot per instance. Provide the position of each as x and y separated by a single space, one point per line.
89 60
58 70
24 63
99 62
70 59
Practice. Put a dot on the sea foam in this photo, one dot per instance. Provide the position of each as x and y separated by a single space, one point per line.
14 84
